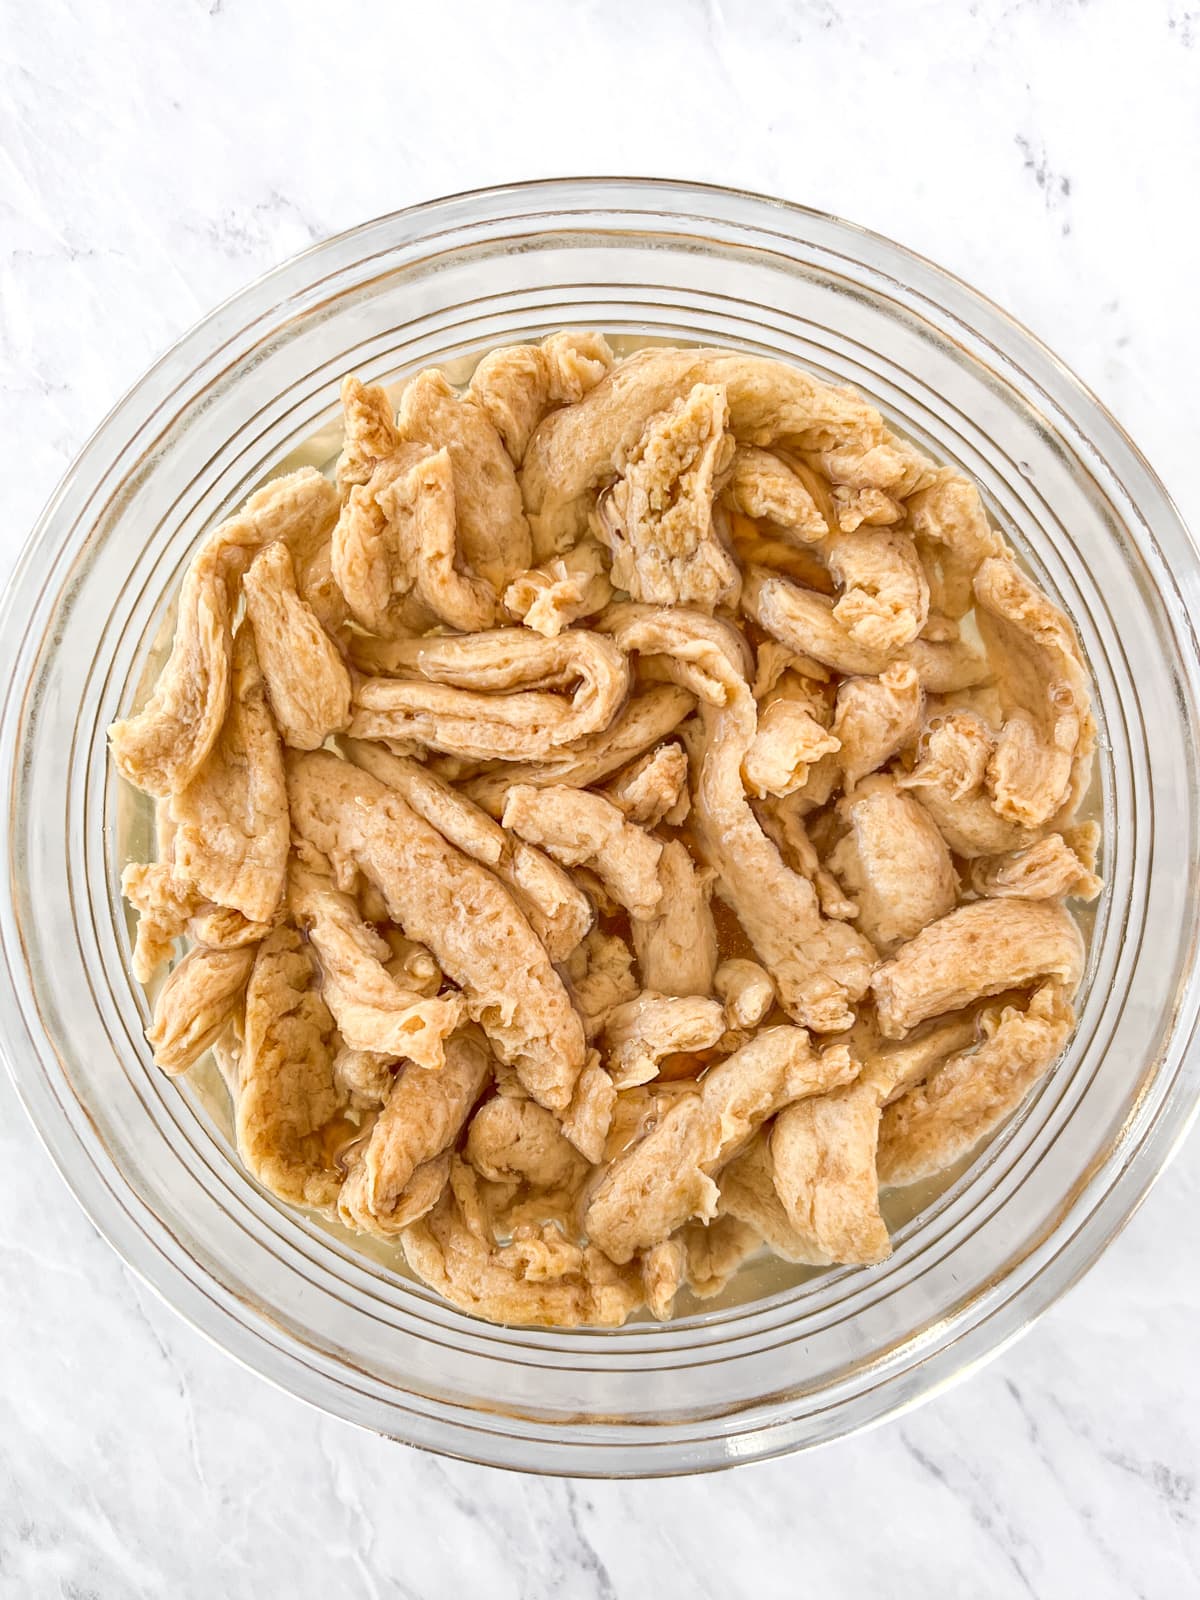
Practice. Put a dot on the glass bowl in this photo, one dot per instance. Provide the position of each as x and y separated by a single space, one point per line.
783 1362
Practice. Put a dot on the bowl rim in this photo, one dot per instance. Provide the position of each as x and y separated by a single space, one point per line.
176 1279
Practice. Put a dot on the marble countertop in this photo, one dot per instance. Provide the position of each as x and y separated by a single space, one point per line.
153 158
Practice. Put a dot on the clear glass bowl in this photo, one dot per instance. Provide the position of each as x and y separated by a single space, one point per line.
796 1362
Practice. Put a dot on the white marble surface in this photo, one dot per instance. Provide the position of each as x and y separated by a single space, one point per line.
154 156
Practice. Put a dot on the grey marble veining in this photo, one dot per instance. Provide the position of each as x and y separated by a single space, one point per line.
153 158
